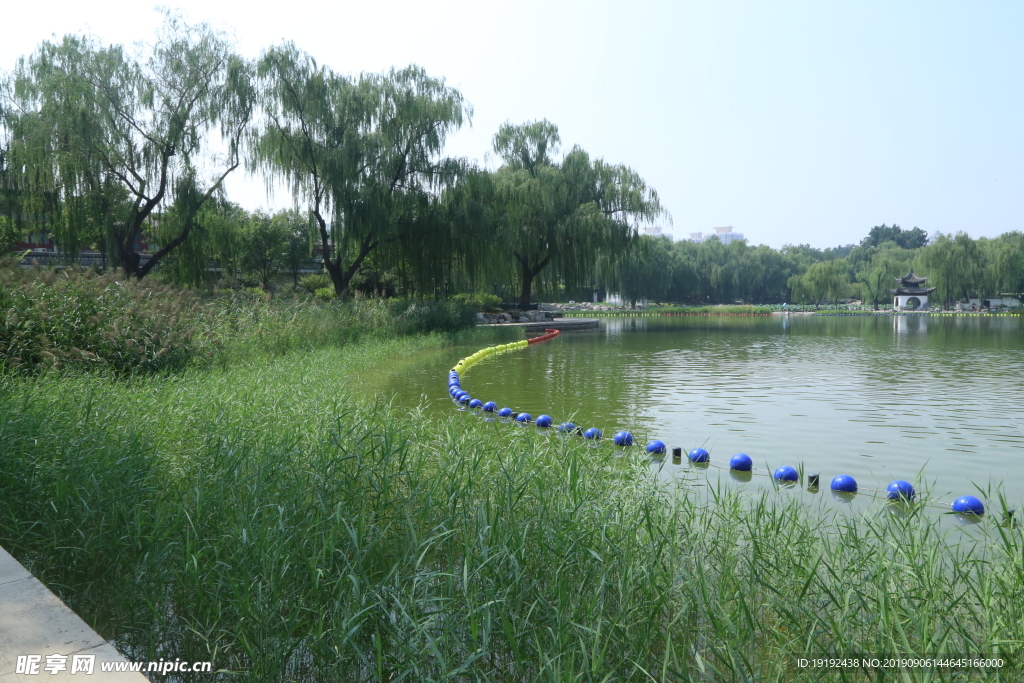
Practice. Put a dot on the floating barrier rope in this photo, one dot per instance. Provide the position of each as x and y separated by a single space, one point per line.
741 463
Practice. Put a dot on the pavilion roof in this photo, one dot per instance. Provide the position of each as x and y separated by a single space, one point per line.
909 280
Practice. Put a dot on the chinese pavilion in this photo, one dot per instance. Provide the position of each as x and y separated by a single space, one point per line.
910 293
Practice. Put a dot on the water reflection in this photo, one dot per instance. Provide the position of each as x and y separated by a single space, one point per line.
881 398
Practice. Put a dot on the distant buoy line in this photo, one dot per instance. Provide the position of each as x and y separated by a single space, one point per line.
843 486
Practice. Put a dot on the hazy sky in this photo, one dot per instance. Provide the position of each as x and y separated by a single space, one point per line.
791 121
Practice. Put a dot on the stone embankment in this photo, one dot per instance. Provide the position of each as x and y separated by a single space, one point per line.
515 317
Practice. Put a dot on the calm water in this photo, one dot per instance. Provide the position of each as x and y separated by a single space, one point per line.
939 402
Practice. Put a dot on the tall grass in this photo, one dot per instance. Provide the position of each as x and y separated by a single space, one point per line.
76 320
259 518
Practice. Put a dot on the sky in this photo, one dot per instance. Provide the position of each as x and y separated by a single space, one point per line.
793 122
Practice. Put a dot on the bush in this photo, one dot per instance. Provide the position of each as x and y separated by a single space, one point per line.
314 281
325 293
485 303
411 317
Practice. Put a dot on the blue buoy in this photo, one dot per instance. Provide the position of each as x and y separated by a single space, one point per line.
505 412
544 421
656 447
699 455
523 418
593 434
475 403
453 390
566 427
786 473
465 398
489 407
968 505
622 438
741 462
900 489
844 483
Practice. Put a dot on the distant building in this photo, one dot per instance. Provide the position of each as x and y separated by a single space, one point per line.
725 234
655 231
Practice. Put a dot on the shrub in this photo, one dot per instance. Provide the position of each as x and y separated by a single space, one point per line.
314 281
485 303
411 317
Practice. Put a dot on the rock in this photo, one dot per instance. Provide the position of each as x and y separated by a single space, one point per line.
507 317
481 318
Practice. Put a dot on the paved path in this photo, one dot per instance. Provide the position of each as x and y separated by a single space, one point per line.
33 621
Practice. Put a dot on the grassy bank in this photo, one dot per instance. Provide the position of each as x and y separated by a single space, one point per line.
80 321
256 516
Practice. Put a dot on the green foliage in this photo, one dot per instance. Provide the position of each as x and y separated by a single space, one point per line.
76 320
298 234
879 274
9 235
480 301
262 248
100 140
823 280
914 238
362 154
565 218
314 281
412 317
82 321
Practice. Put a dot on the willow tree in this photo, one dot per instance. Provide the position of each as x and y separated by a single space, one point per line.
955 266
823 280
362 154
86 124
566 216
877 276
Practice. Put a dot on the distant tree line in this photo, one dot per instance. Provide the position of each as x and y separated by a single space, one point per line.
101 146
959 266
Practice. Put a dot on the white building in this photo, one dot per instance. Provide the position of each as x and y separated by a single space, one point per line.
1008 300
725 234
655 231
910 293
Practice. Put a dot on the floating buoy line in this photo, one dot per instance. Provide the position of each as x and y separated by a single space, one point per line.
843 486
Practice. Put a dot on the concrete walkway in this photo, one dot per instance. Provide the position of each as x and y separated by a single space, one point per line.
33 621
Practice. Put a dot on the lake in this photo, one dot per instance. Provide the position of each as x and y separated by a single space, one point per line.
936 401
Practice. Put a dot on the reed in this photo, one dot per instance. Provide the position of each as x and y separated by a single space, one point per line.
259 517
75 320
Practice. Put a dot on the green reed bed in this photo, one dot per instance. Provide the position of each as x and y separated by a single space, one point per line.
81 321
259 518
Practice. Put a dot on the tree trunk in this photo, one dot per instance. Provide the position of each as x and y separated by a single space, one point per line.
527 288
528 274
